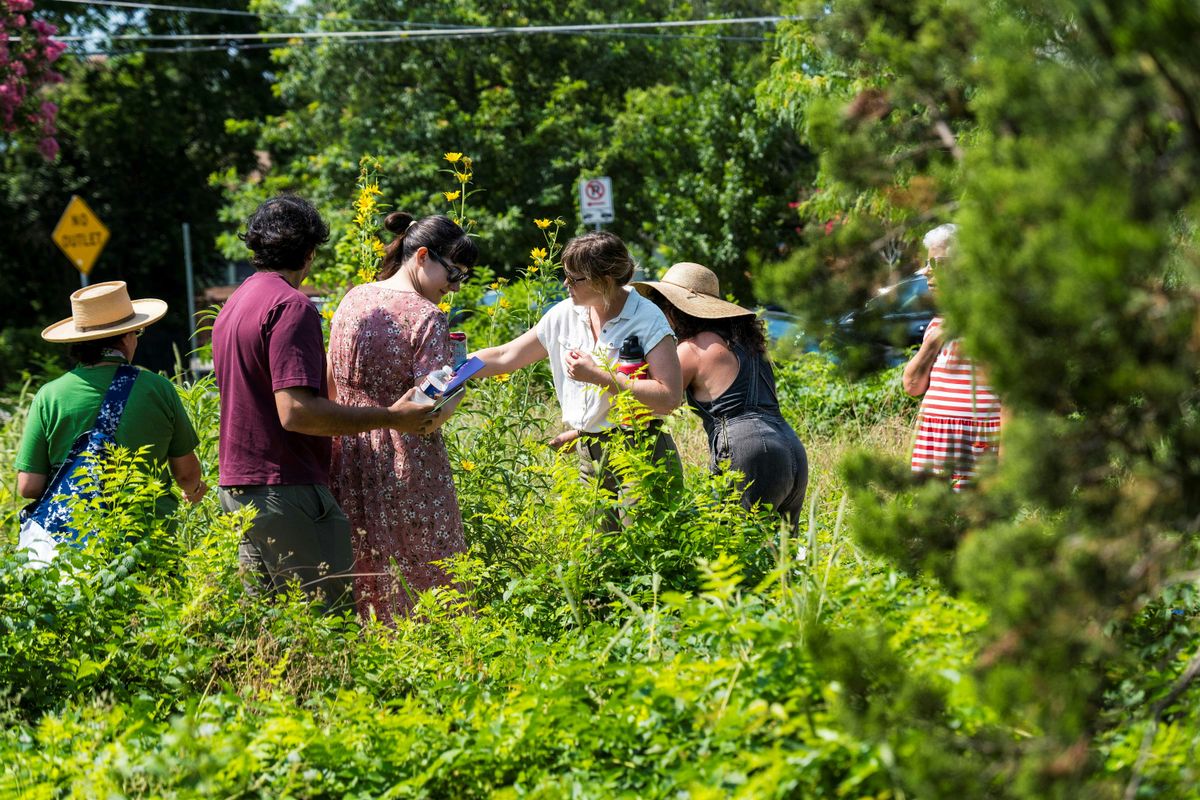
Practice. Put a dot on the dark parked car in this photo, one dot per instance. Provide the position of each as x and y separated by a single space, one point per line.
888 325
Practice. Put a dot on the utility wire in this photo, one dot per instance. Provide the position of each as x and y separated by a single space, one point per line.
233 12
225 48
435 33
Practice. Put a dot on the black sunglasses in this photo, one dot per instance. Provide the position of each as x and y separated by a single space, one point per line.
454 273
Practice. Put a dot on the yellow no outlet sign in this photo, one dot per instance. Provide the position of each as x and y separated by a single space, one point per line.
80 235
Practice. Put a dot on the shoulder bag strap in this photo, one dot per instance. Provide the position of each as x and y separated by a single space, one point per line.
112 408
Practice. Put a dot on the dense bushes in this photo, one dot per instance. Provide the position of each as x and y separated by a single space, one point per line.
697 650
671 655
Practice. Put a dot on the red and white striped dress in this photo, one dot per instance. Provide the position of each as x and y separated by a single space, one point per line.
960 417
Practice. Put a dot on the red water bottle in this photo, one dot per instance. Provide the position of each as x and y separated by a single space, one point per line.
631 359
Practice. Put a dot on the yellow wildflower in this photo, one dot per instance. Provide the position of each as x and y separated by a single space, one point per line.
467 465
538 253
372 188
542 223
377 248
463 177
452 157
494 285
451 196
532 269
444 306
503 377
466 162
501 281
365 275
504 302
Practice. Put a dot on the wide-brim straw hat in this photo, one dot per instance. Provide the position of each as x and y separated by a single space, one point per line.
694 289
102 310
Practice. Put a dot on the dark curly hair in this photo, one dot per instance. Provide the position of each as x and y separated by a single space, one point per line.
746 330
438 233
282 232
92 352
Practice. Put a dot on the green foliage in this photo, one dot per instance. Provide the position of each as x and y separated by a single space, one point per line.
1063 139
698 173
25 356
683 652
819 399
140 134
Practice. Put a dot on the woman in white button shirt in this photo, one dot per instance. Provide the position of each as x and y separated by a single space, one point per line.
582 335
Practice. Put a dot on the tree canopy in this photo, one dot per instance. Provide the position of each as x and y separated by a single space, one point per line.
1063 138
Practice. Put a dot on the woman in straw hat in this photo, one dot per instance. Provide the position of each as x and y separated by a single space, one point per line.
102 333
731 386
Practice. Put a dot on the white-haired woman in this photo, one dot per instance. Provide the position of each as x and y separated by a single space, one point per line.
959 422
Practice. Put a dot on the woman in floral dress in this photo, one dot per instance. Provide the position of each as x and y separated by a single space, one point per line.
397 488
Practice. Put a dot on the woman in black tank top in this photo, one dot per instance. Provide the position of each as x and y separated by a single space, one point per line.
731 386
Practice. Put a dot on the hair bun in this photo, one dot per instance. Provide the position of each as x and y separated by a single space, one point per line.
398 222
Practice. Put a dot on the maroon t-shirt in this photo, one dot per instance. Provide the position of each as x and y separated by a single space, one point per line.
266 338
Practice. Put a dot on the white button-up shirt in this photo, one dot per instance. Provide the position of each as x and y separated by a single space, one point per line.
566 327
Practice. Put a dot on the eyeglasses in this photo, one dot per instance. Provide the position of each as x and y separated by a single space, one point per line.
138 333
454 273
571 280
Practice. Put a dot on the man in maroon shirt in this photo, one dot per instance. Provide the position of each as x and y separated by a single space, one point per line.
276 418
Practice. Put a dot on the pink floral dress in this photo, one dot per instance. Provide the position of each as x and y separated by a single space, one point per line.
396 488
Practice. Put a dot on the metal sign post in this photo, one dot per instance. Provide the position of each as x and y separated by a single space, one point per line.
191 289
81 236
596 201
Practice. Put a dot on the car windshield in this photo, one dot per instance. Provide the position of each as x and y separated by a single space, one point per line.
909 295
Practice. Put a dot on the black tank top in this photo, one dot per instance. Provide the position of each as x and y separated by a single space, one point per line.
753 390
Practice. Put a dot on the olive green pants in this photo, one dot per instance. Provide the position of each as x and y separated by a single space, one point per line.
299 534
593 463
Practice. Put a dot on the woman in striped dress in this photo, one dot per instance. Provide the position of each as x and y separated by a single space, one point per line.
959 423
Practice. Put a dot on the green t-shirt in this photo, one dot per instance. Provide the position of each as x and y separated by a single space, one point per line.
67 407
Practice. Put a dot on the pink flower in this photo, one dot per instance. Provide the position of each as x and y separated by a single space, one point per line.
48 147
19 20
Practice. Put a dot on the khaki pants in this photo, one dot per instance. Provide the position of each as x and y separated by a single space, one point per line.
299 534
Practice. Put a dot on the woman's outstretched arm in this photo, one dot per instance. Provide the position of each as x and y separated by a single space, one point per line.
511 356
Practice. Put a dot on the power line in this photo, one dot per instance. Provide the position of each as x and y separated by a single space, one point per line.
233 12
225 48
437 33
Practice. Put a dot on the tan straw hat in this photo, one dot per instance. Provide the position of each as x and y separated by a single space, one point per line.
102 310
694 289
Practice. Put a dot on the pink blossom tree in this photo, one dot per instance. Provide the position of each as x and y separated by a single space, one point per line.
26 55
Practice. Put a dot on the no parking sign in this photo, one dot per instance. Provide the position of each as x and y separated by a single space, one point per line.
595 200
